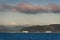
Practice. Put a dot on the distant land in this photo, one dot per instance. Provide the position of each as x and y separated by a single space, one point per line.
33 28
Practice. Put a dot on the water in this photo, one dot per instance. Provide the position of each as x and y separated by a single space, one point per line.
30 36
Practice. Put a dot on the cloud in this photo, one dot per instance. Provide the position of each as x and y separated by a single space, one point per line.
32 9
28 8
3 7
54 7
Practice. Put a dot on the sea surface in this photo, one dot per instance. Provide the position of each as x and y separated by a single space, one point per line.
29 36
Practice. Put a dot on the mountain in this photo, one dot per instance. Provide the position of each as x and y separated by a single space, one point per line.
43 28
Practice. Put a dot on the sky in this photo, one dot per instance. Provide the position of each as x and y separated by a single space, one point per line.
28 1
21 18
35 2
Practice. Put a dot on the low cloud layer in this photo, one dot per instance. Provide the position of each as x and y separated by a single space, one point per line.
28 8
